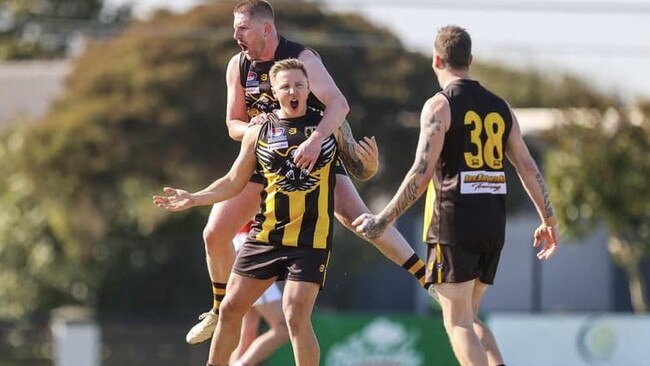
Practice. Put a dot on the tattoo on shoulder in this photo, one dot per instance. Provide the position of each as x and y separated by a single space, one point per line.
431 127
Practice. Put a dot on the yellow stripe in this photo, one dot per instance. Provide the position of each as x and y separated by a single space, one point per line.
269 217
439 261
296 214
327 263
428 209
219 291
323 223
416 267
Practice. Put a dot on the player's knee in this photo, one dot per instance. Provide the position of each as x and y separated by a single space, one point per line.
213 238
231 308
297 318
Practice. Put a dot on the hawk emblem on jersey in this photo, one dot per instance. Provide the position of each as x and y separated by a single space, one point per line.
289 177
264 103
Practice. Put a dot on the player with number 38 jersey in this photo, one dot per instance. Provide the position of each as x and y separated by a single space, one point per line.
469 179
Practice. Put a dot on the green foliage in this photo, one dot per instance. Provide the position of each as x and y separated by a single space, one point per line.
42 28
597 171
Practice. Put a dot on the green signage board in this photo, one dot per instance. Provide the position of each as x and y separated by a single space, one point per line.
379 340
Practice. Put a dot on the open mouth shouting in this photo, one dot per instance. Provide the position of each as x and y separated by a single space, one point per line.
243 46
294 104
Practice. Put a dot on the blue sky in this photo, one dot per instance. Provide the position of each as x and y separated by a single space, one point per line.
606 42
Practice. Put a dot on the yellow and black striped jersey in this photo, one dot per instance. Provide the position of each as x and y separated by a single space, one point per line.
466 199
297 206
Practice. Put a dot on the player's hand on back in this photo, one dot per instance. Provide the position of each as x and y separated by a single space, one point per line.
259 119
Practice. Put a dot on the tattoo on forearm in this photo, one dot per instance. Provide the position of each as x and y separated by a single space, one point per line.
348 154
409 195
547 201
410 190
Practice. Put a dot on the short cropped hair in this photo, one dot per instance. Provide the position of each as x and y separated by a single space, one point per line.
285 65
454 46
257 9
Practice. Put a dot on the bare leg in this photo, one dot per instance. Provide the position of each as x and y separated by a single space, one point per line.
242 293
267 343
348 205
482 331
458 316
226 218
249 329
298 303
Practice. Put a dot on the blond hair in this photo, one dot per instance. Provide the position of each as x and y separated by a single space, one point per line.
285 65
257 9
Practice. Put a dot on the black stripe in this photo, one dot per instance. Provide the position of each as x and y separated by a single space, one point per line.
419 274
309 219
281 212
330 200
410 262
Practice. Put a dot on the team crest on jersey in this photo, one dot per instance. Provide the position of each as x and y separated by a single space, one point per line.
288 176
276 134
309 130
251 79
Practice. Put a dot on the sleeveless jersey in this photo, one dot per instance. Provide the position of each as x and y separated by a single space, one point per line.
254 78
297 207
466 198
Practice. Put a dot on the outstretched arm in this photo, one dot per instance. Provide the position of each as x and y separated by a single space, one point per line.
434 123
223 188
518 154
361 158
324 88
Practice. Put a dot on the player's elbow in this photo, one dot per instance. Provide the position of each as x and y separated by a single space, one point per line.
344 105
234 131
340 102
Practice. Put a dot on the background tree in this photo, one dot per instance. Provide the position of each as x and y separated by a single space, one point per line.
597 170
46 28
146 109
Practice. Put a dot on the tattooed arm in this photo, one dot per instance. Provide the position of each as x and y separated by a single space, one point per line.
360 159
518 154
434 123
